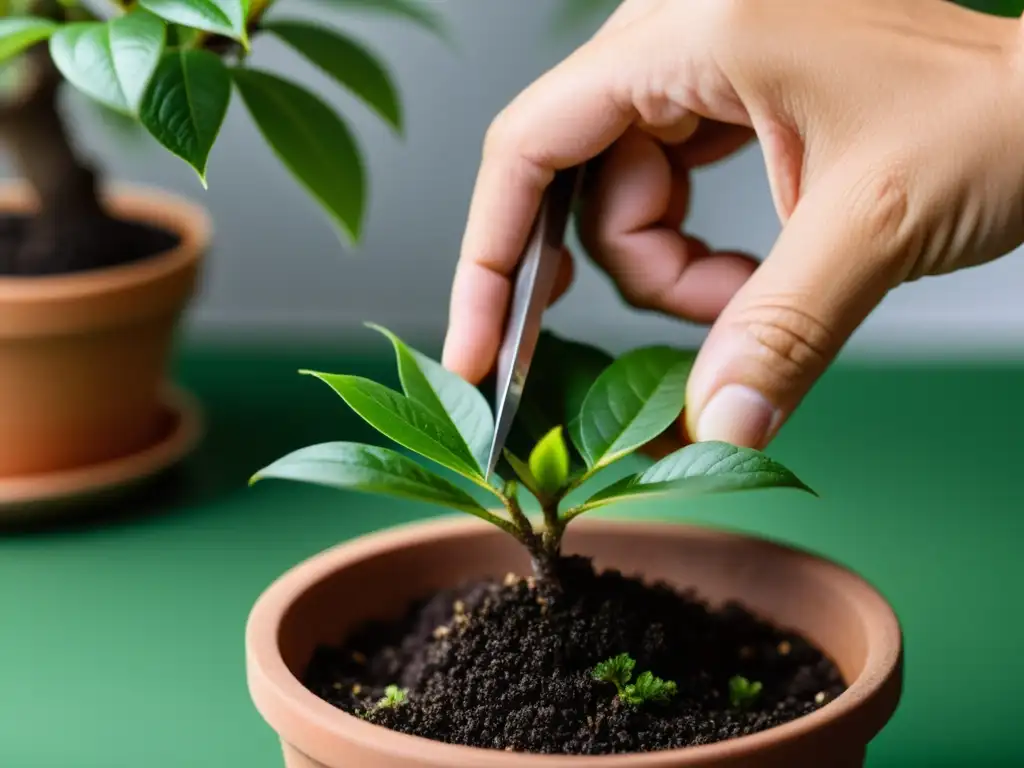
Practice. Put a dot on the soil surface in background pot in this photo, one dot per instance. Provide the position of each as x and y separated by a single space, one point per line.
107 242
505 665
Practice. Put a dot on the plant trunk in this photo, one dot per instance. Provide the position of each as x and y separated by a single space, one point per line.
545 569
544 546
547 553
68 232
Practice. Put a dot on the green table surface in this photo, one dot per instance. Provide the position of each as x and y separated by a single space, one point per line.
121 640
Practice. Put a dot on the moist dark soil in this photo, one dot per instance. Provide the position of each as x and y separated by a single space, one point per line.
509 665
106 242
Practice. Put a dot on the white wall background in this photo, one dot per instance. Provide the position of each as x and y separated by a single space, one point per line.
277 267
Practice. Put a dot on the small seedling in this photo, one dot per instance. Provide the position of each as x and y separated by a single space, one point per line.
742 692
618 671
649 688
393 696
581 413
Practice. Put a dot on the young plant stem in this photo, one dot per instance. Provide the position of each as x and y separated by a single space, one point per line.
553 529
572 513
521 522
70 212
543 554
499 522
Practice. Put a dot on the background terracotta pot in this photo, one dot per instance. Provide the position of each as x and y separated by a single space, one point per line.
83 356
323 599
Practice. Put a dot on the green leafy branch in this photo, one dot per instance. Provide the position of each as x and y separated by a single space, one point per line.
648 688
170 65
609 409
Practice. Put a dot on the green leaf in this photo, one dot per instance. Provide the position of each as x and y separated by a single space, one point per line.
560 377
742 692
349 63
696 470
522 471
312 142
584 364
447 394
393 697
185 104
633 401
648 689
617 670
221 17
368 469
17 33
407 422
549 463
416 11
111 62
123 129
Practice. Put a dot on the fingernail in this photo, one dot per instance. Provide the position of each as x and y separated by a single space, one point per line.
739 415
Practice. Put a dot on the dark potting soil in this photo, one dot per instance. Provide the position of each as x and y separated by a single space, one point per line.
107 242
506 665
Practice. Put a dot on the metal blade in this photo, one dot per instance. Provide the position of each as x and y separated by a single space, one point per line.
535 279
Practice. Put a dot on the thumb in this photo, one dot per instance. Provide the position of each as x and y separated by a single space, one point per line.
838 255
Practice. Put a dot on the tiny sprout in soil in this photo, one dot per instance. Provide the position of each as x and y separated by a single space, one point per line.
581 413
393 696
618 671
743 692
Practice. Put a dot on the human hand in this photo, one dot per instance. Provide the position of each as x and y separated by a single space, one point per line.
891 131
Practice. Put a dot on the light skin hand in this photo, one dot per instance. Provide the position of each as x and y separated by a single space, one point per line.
891 136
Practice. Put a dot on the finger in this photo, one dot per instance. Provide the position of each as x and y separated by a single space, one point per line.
711 142
669 441
566 273
465 358
631 231
834 262
567 117
674 131
473 332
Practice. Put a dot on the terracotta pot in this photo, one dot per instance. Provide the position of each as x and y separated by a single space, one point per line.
83 356
324 598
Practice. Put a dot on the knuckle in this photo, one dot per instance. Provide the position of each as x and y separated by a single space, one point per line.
640 293
635 285
790 341
881 203
636 298
499 137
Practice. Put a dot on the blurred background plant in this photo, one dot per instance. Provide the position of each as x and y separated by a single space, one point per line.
170 66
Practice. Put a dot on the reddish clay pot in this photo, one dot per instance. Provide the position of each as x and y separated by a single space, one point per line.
375 577
83 356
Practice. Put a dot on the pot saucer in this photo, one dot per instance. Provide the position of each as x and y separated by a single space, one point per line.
52 493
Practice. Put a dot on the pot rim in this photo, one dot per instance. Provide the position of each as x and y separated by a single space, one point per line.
189 221
285 703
